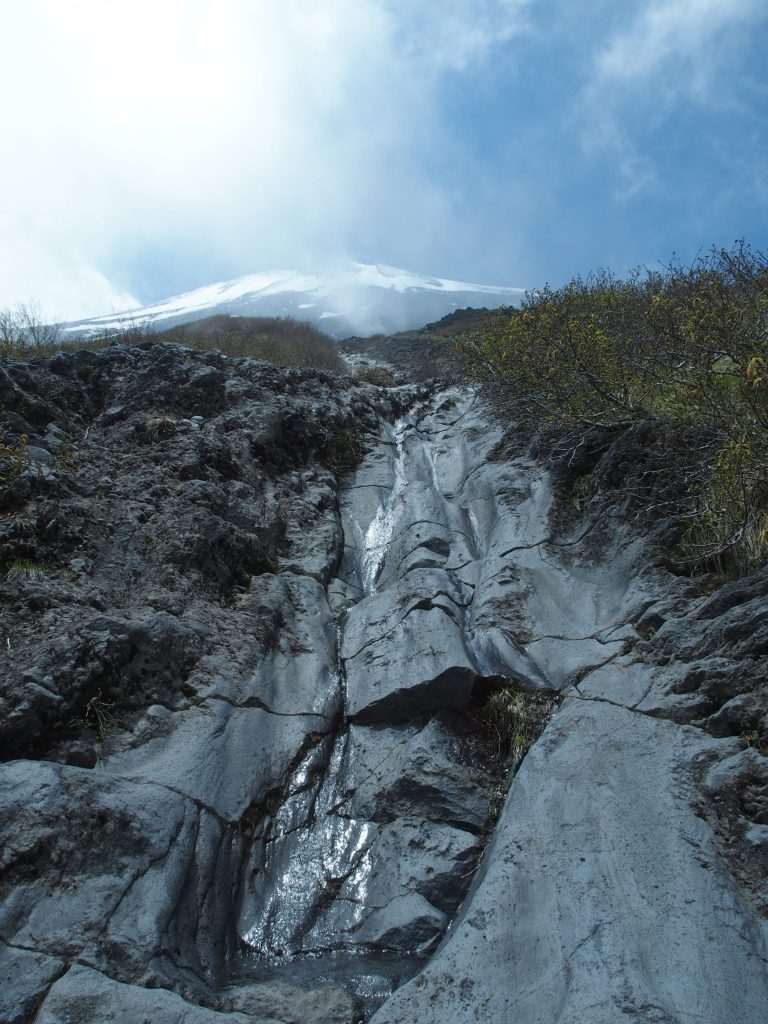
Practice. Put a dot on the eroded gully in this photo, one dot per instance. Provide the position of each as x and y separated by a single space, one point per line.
358 870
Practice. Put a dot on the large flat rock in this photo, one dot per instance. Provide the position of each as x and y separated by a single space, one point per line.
222 757
84 996
405 651
602 897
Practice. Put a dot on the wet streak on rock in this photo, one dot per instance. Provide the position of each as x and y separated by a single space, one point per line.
371 850
291 799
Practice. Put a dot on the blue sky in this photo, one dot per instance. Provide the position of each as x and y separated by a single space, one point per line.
155 145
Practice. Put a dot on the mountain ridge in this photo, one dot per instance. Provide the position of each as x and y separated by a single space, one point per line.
350 298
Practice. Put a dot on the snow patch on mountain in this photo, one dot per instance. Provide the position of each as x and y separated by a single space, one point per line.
359 298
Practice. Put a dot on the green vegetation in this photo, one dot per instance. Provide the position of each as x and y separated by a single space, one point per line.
510 721
683 353
752 739
281 340
23 570
513 719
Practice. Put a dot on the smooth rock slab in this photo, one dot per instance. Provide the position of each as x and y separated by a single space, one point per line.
603 897
74 843
405 650
84 996
285 661
223 757
26 977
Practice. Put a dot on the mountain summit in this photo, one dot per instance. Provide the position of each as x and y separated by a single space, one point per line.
349 299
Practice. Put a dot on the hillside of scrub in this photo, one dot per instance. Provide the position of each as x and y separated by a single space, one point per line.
283 341
652 391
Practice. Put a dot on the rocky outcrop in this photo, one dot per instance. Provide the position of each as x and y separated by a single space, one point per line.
254 624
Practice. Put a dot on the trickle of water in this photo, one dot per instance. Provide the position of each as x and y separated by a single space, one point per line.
311 851
429 454
379 533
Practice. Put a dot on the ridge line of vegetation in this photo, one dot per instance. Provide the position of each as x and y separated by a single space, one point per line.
280 340
679 358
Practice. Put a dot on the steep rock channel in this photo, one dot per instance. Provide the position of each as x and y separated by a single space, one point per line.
285 801
288 816
364 859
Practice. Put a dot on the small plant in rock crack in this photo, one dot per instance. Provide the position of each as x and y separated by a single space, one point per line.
257 560
98 715
158 428
513 719
65 456
495 804
23 570
19 524
752 739
345 448
14 459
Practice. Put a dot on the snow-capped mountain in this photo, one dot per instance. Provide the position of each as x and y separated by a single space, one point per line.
350 299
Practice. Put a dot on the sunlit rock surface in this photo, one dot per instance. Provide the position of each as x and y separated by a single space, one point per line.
246 775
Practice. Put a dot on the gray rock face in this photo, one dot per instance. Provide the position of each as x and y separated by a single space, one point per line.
251 755
27 977
602 894
83 995
393 666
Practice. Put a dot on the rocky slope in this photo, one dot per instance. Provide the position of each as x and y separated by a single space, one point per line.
254 622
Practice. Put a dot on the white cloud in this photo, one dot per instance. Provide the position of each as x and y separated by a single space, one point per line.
462 33
266 132
680 39
670 53
65 287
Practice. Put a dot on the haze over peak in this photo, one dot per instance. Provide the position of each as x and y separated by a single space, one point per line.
349 298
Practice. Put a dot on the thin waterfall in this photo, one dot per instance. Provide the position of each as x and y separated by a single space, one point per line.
379 533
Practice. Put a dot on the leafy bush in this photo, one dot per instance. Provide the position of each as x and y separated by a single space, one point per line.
686 347
379 376
24 333
281 340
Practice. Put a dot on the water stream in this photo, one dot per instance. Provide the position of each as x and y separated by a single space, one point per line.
359 859
376 539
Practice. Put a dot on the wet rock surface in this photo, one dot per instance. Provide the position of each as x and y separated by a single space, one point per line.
252 620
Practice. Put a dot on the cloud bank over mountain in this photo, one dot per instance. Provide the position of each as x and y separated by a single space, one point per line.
158 146
346 299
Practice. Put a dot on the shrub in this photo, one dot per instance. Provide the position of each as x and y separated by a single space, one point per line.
686 347
380 376
25 334
281 340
